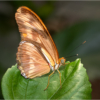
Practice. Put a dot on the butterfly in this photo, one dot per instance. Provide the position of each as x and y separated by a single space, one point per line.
37 53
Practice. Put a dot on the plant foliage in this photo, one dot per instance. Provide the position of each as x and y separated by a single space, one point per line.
75 84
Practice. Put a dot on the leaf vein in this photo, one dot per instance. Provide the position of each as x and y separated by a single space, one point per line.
63 82
26 88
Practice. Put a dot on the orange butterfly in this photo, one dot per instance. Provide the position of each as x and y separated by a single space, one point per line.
37 53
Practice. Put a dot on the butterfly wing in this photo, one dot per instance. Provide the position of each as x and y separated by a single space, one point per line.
31 61
33 31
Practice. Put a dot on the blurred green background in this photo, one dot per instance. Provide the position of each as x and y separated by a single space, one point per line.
69 23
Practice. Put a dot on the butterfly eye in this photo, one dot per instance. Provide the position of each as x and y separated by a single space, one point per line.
62 61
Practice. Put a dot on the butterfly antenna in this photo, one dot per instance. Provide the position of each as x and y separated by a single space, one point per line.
77 47
71 56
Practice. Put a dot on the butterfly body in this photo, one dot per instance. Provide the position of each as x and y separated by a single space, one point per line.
37 53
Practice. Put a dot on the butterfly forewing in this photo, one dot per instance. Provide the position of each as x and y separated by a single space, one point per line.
36 43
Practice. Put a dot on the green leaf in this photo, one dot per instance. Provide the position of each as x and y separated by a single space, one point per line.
75 84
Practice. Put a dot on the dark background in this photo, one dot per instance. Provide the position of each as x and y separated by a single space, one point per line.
69 23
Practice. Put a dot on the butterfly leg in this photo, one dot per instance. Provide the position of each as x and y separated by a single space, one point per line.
67 63
60 78
48 80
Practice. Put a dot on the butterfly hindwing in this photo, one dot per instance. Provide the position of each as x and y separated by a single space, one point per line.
30 61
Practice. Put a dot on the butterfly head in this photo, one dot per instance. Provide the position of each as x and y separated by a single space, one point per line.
62 61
